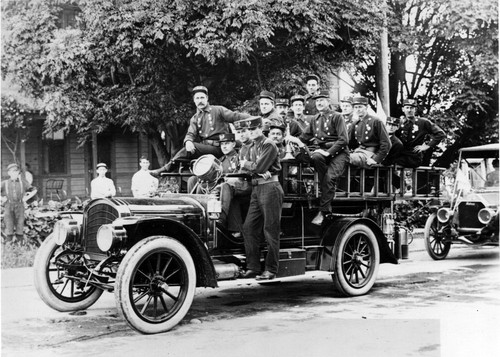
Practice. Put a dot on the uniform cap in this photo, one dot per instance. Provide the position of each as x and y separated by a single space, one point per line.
392 121
312 76
296 98
13 166
227 137
202 89
238 125
359 100
277 125
322 94
268 95
347 99
283 101
252 122
101 164
410 102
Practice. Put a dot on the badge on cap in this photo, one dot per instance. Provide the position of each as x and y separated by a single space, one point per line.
282 101
252 122
226 137
410 103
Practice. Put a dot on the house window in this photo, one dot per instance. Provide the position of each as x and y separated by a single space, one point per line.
54 153
68 16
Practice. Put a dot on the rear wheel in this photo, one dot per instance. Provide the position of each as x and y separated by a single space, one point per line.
155 284
434 244
51 268
357 258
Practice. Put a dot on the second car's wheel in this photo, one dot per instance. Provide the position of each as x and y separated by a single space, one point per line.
155 284
53 268
357 258
434 244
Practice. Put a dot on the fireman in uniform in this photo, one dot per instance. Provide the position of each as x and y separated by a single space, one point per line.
329 132
369 135
205 126
266 200
413 132
13 191
297 102
268 112
312 87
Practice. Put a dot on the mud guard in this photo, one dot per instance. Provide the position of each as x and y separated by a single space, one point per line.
334 229
143 228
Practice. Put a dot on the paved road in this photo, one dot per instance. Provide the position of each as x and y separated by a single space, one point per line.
417 308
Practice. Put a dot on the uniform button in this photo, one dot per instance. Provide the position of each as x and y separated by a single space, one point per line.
366 138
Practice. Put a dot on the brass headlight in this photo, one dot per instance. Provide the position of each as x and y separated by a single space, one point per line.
109 236
65 230
485 215
444 215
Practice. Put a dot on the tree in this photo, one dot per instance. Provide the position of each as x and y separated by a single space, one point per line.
132 63
16 122
445 54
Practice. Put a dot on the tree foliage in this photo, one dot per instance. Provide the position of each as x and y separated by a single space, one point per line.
132 63
445 54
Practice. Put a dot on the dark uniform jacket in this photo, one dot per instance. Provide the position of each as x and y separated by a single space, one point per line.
328 131
262 157
272 117
210 122
370 132
413 133
230 162
310 109
302 122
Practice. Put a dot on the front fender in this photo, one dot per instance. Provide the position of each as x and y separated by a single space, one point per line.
140 228
333 231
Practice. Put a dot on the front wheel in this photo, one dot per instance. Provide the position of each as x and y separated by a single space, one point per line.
357 258
53 268
155 284
434 244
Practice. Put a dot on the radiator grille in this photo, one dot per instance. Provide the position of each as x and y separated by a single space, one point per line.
467 214
96 216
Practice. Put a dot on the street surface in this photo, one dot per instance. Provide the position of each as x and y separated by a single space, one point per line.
417 308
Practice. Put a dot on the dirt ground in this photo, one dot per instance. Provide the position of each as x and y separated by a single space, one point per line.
417 308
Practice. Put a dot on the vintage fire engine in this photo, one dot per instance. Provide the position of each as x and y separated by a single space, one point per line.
154 252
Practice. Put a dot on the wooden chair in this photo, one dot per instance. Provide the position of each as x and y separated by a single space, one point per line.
54 187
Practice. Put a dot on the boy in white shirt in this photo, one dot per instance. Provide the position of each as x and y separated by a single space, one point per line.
143 184
101 186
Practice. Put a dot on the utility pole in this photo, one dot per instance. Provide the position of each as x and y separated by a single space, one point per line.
383 70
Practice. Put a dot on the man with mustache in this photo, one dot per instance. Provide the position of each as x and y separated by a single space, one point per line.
204 129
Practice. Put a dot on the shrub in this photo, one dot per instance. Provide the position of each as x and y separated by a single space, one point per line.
38 224
15 255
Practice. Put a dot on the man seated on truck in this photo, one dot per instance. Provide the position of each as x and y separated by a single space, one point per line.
205 126
412 133
369 139
411 149
329 132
